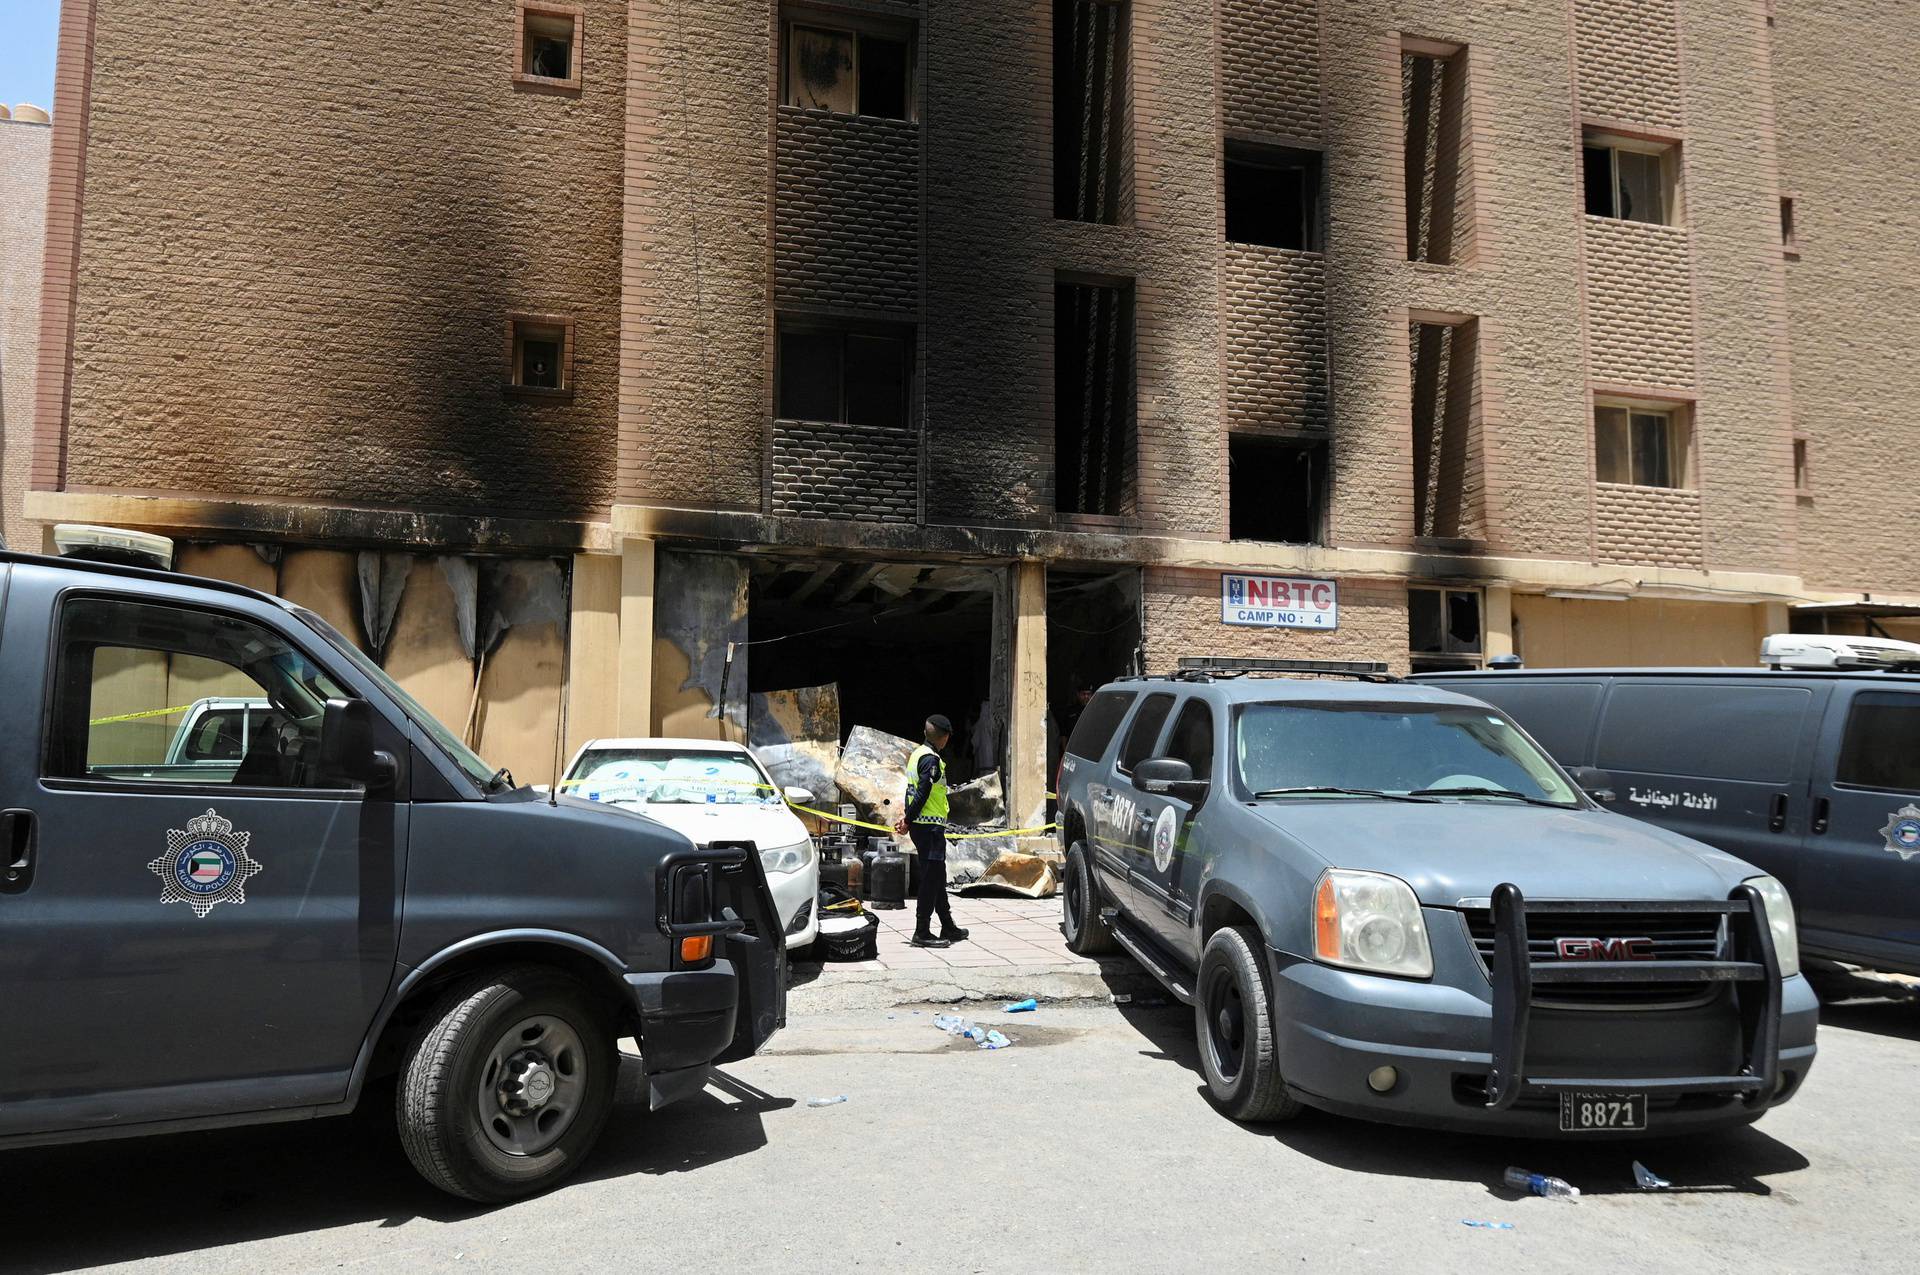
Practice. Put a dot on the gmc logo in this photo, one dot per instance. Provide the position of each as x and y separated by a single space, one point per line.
1605 949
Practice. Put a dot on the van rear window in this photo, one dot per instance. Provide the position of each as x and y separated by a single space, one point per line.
1743 733
1559 716
1097 724
1882 746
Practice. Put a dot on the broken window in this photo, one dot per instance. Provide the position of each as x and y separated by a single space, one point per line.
1445 428
549 45
1643 446
1093 398
1443 629
1629 180
843 375
540 352
1273 196
1090 138
850 71
1433 111
1276 489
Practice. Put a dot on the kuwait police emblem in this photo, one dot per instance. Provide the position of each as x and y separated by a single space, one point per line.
205 864
1903 831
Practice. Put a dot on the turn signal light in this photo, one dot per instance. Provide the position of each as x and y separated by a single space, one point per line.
1326 922
696 949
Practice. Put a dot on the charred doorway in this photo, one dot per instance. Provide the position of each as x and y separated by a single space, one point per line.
899 640
1093 636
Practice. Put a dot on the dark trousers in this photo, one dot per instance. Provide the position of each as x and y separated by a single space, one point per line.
930 840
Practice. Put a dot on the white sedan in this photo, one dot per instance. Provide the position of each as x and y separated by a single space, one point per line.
711 791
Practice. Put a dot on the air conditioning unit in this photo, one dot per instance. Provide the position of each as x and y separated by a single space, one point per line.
1835 651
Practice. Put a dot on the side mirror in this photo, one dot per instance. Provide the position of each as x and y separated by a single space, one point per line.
347 755
1169 777
1597 784
799 796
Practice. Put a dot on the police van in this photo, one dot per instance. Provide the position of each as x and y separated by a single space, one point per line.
1384 900
1808 767
353 895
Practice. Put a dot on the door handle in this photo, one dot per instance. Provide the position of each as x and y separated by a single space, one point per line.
19 842
1822 813
1777 813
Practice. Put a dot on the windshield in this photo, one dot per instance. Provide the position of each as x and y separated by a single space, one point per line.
666 776
1398 748
463 757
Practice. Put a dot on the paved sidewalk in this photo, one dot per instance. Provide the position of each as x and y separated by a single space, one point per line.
1014 949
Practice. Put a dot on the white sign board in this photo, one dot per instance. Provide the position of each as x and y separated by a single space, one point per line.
1279 602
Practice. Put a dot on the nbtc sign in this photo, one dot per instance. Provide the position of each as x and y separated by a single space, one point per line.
1279 602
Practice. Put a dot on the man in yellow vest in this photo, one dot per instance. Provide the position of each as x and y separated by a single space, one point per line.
926 822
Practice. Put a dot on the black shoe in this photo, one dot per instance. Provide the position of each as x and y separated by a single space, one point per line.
926 940
953 934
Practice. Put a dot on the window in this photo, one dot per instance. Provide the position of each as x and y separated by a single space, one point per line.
1276 489
163 694
1788 241
1433 117
1630 180
1640 446
1092 141
1145 731
1093 398
547 45
1881 749
1098 723
1446 479
1443 629
850 71
1802 474
845 375
540 354
1742 733
1273 196
1192 738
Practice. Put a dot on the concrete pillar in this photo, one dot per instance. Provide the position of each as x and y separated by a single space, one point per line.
1496 622
1027 777
1770 618
593 650
635 682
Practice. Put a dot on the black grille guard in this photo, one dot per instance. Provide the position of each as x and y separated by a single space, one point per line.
1754 972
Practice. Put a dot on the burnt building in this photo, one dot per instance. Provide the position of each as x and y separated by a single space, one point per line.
959 354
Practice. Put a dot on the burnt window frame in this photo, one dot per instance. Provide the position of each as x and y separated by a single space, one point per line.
517 325
1322 467
577 15
908 334
858 25
1125 491
1453 653
1111 202
1248 152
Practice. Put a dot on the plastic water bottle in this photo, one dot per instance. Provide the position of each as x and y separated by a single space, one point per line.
951 1024
1541 1185
994 1040
834 1101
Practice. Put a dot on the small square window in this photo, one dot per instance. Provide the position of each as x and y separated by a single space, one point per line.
849 71
1630 180
540 354
546 47
1640 446
1273 196
846 376
1443 629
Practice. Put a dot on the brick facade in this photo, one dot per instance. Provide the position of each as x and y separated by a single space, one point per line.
861 473
24 152
1182 612
1647 525
1274 321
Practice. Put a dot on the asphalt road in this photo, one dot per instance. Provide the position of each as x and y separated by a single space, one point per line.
1086 1146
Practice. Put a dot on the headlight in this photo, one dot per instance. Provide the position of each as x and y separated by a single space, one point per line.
1786 935
788 858
1370 921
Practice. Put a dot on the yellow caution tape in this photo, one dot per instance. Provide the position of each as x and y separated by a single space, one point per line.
134 717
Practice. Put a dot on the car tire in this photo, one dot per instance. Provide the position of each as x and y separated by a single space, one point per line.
1233 1018
1086 933
506 1084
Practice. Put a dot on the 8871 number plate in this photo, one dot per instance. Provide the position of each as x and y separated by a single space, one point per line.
1598 1112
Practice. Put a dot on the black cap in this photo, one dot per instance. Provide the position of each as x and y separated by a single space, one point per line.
940 724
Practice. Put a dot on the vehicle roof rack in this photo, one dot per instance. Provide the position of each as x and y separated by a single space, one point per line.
1204 668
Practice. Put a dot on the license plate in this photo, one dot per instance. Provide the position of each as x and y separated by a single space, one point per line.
1592 1112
